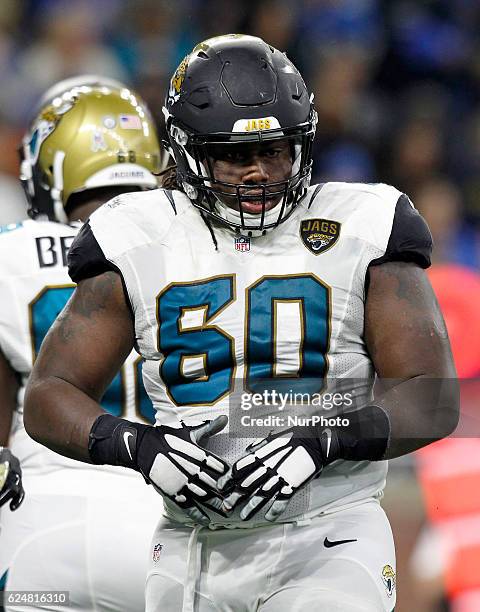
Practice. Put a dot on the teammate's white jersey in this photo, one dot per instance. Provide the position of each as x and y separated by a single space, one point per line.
34 288
72 509
215 312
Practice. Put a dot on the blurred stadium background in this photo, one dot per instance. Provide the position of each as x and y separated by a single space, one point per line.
397 89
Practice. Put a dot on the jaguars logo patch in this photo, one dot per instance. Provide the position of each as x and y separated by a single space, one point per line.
43 126
389 580
319 235
177 80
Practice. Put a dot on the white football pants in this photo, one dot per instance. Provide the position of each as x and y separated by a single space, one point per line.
278 568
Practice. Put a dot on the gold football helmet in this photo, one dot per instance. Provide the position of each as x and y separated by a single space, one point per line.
89 132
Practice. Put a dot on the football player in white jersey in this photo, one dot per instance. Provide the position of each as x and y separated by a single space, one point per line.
91 139
240 282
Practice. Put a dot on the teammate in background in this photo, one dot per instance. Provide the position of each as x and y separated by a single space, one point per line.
240 273
80 529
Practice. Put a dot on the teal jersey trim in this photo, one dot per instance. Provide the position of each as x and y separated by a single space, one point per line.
3 581
10 227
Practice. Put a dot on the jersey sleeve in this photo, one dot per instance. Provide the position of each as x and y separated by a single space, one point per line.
410 239
85 257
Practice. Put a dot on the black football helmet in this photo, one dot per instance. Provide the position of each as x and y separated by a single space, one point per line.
232 90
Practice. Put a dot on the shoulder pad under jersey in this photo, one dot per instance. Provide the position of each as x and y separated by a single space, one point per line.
126 222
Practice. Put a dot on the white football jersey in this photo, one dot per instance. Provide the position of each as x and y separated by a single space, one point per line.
34 288
216 313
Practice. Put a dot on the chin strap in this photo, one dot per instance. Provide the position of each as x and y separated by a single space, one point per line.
233 216
210 229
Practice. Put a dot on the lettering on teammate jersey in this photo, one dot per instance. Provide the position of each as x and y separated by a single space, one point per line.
319 235
53 250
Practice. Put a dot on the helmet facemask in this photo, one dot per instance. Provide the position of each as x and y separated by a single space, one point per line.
225 201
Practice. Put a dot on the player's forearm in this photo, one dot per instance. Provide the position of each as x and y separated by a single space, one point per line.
60 416
8 399
403 417
79 357
421 410
5 425
407 340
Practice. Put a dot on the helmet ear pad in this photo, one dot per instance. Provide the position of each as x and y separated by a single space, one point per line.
36 187
234 89
25 176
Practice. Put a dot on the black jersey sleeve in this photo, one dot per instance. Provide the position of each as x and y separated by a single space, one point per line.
410 239
86 258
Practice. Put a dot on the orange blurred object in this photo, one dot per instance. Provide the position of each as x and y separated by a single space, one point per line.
458 292
449 470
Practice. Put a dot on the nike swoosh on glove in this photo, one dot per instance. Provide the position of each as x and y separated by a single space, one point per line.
274 469
11 487
168 456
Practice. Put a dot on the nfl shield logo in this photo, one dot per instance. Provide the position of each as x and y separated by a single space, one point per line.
157 549
242 243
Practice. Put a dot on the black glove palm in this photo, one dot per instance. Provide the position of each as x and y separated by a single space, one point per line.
168 456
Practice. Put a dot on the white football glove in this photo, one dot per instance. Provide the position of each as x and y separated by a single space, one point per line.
274 469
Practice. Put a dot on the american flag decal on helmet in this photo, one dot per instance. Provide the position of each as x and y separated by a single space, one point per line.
130 122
